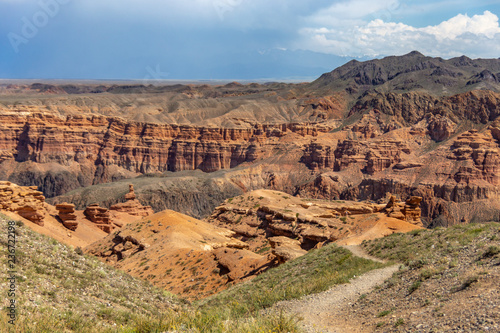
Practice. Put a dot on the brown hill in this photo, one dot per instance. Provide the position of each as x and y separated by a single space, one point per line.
179 253
195 259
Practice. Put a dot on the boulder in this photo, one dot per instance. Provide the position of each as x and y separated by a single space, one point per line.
285 248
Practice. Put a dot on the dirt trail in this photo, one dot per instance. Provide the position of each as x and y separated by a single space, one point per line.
359 252
322 312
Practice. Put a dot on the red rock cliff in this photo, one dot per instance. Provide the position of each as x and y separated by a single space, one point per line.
94 149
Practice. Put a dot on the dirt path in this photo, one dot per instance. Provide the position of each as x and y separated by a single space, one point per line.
321 312
359 252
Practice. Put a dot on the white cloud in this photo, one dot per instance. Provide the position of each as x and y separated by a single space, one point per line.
486 24
351 11
476 36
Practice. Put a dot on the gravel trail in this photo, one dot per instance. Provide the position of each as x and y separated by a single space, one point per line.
322 312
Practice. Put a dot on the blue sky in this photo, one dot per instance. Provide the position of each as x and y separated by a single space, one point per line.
232 39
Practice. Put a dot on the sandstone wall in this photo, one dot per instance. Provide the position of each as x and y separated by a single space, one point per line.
67 153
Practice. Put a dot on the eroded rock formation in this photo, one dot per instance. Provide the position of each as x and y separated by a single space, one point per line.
132 206
100 216
23 200
67 215
286 249
93 149
215 259
407 211
372 157
292 224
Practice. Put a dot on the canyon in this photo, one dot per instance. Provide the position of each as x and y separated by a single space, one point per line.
410 126
196 188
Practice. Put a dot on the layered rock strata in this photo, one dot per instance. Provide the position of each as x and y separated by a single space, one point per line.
67 215
372 156
92 149
100 216
26 201
304 224
286 249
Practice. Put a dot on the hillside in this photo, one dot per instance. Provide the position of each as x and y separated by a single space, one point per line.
59 289
244 237
181 254
448 282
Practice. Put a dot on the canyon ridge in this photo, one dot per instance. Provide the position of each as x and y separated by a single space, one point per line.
410 126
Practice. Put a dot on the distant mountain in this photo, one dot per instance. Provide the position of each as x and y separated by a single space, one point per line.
411 72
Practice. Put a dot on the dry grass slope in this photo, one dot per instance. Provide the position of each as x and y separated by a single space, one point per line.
449 281
314 272
61 290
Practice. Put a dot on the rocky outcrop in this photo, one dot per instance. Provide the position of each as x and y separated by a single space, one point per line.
318 156
408 211
67 215
286 227
483 151
412 211
441 202
477 106
26 201
440 128
328 185
181 254
286 249
292 225
100 216
132 206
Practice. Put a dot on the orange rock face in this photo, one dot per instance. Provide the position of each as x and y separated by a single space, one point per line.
100 216
483 151
372 156
23 200
170 242
293 225
67 215
92 149
408 211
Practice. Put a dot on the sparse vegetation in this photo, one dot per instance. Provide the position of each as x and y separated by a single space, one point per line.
68 292
315 272
442 268
383 313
